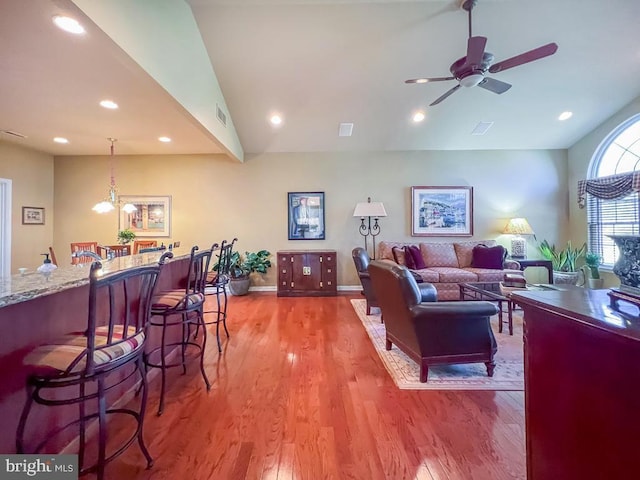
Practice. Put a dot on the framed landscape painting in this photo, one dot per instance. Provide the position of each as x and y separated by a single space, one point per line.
441 211
306 215
152 217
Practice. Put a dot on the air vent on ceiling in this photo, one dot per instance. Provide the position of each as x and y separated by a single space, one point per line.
221 116
481 128
345 130
12 133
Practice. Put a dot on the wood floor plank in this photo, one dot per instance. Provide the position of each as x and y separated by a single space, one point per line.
299 393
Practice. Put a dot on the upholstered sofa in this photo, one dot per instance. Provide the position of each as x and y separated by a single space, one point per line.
448 264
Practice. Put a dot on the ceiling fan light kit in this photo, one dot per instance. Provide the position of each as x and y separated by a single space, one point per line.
471 69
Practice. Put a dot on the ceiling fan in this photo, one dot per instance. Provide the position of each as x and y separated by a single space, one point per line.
471 70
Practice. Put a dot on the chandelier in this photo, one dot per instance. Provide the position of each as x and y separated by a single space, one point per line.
109 203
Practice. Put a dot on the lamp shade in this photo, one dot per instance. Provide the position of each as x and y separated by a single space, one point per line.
518 226
369 209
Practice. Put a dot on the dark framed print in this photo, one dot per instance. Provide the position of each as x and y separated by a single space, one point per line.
306 215
441 211
32 216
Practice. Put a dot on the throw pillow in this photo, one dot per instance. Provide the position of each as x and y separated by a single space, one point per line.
488 257
408 258
414 252
398 255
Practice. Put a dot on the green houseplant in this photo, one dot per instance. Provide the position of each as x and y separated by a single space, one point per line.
242 266
591 270
125 236
563 260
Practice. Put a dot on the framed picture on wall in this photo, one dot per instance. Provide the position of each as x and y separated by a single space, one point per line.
32 216
152 217
306 215
441 211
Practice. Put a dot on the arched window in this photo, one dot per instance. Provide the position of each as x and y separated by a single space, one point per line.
618 153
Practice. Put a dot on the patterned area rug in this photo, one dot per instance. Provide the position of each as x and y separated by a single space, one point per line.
508 375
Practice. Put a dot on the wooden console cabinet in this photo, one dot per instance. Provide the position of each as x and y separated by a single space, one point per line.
582 385
307 273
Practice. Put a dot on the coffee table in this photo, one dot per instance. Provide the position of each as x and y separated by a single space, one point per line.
489 291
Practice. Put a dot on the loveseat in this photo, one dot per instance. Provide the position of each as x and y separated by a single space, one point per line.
447 264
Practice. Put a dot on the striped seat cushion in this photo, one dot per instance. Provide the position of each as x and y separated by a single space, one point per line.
214 279
175 299
55 359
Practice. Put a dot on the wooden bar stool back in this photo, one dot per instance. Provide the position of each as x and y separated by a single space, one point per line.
114 250
217 281
138 244
107 354
83 247
182 307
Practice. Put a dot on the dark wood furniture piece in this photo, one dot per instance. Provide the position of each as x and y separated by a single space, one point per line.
307 273
582 385
489 291
525 263
432 333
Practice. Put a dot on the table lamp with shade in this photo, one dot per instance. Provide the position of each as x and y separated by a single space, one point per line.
518 227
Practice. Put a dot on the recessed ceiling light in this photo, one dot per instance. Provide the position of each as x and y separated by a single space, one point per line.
110 104
164 139
565 115
68 24
60 140
276 120
418 116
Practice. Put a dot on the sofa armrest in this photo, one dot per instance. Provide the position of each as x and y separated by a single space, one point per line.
440 310
511 265
428 292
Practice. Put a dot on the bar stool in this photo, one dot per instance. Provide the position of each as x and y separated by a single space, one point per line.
217 281
108 353
187 305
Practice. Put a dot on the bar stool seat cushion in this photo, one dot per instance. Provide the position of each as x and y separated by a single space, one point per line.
67 354
174 299
214 279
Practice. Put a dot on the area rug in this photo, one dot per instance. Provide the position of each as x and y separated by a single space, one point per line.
508 375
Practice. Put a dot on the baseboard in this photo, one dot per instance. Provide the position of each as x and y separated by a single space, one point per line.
273 288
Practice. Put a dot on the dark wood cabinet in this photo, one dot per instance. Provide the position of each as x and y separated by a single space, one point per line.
582 385
307 273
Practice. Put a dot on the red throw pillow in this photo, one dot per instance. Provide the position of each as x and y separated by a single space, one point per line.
408 258
488 257
414 252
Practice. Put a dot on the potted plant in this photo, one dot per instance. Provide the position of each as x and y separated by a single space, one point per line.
241 267
564 261
125 236
592 269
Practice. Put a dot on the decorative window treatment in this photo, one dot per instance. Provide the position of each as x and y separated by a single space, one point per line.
613 187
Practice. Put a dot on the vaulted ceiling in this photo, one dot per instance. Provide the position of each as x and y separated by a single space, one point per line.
317 63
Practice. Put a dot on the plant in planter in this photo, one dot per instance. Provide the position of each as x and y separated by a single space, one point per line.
564 261
241 267
125 236
592 269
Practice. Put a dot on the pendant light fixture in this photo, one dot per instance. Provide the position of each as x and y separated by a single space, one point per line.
110 203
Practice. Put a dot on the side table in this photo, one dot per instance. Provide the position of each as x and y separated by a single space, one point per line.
524 263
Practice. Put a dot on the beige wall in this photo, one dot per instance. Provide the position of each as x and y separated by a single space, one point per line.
580 156
31 174
215 198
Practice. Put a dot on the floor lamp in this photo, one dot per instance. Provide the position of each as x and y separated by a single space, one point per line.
368 210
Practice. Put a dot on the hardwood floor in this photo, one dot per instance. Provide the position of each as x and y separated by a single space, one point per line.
300 393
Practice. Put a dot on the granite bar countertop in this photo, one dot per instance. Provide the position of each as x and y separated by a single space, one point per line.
21 288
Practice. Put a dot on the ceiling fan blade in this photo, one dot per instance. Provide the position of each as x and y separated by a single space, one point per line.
428 80
442 97
475 51
493 85
526 57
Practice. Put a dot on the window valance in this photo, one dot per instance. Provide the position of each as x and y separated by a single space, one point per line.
613 187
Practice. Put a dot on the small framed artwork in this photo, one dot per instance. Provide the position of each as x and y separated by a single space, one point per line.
441 211
306 215
32 216
151 218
